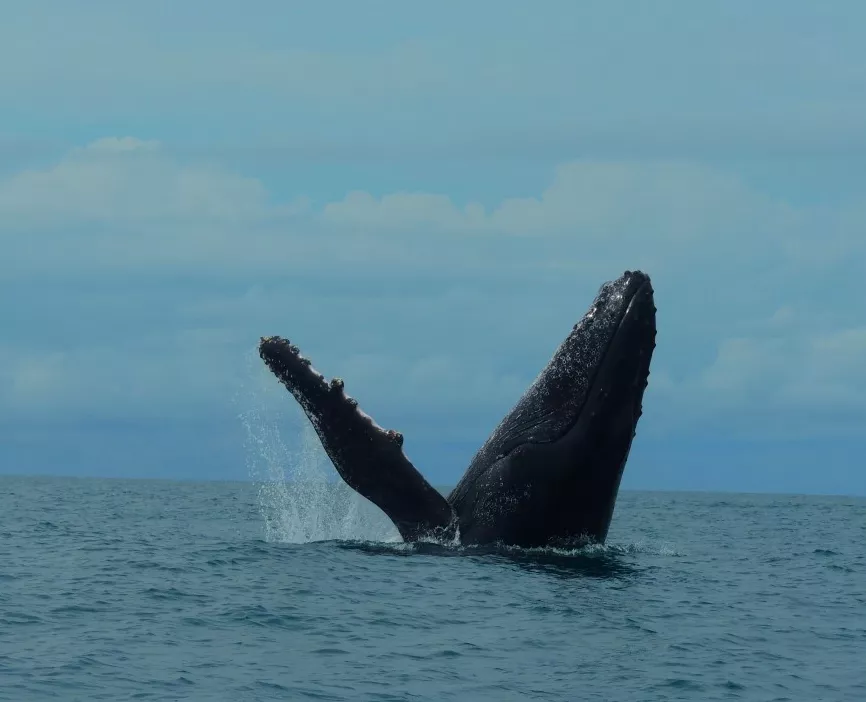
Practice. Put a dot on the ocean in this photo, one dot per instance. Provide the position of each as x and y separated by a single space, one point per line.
149 590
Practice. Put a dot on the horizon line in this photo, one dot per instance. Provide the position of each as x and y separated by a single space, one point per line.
252 481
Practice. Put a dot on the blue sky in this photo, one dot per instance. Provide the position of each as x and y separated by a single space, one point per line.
425 199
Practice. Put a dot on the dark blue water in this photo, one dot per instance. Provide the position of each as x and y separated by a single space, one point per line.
115 590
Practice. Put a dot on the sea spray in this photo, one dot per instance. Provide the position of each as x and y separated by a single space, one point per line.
301 496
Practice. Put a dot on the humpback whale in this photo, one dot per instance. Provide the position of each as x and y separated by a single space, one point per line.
550 471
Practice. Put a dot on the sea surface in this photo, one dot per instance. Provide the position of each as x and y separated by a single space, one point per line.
147 590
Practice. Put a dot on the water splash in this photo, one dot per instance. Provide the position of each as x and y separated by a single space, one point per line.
301 497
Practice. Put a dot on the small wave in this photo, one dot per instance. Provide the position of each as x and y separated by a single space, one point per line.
682 684
841 568
154 565
591 560
172 593
81 609
19 618
454 548
590 549
260 616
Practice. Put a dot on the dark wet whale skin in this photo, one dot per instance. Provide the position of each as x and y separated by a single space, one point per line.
551 470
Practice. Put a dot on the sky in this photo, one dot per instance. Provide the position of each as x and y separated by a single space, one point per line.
425 198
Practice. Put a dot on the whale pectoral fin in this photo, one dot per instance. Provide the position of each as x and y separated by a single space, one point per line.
368 458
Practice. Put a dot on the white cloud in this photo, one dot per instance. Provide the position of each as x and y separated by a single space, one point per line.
125 180
641 205
784 379
127 204
403 212
742 278
821 370
154 375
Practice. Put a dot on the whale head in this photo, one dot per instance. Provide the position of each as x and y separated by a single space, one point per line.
550 471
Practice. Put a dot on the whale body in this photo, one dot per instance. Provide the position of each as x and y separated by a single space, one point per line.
550 471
